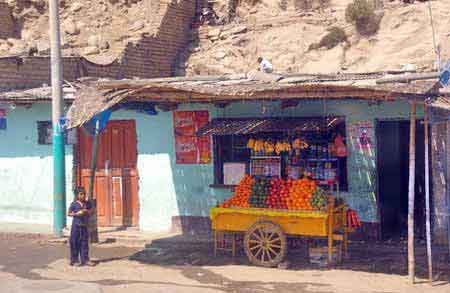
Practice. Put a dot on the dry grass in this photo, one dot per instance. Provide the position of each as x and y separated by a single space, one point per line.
334 37
362 14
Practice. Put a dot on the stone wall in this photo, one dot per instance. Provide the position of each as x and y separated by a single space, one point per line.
6 21
153 55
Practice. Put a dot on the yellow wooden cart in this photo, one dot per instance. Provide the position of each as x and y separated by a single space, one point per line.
266 230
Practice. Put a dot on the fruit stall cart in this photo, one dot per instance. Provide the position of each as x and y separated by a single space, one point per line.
286 192
266 230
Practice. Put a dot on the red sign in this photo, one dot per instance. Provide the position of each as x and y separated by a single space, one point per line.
189 148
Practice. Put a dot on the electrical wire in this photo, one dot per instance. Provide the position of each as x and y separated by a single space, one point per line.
435 45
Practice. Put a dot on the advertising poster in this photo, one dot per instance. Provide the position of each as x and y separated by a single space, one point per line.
361 133
189 148
2 119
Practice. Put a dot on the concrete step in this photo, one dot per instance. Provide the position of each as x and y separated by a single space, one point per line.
199 240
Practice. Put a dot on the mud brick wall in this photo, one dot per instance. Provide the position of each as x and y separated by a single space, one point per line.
6 21
154 55
28 72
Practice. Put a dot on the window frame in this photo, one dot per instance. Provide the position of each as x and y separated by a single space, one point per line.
219 160
44 130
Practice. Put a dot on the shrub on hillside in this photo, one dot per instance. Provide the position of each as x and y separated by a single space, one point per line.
362 14
334 37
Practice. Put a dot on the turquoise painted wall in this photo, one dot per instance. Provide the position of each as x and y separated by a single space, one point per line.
26 168
165 188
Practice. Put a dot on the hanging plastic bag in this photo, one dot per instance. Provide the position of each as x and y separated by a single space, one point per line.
339 146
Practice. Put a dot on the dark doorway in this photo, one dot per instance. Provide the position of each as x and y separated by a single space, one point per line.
393 170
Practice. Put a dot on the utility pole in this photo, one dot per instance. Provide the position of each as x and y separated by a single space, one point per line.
59 179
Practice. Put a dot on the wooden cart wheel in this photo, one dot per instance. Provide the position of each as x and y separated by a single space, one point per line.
265 244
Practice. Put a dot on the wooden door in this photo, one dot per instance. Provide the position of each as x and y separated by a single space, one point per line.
115 184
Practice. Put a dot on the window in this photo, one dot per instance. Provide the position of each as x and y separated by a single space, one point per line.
44 129
317 160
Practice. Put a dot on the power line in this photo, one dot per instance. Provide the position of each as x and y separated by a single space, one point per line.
435 45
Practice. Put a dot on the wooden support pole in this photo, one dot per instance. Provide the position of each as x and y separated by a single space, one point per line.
427 197
330 229
93 224
412 165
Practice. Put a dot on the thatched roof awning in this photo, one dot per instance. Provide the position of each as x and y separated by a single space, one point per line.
95 97
442 103
228 126
41 94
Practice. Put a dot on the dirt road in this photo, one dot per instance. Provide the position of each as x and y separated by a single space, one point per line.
182 268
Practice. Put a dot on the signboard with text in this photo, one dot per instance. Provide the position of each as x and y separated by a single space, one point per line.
190 148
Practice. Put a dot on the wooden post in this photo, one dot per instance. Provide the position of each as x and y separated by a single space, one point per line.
345 235
412 165
215 243
93 224
439 167
427 197
330 229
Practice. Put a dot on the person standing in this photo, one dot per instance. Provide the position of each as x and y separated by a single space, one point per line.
265 65
79 236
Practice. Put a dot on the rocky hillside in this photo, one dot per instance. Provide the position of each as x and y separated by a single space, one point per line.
88 27
283 32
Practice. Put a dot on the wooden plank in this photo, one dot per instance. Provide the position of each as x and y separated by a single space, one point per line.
130 84
330 233
117 201
186 97
427 198
409 77
412 164
439 181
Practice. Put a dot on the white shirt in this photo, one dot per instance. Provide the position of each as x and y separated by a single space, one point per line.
266 66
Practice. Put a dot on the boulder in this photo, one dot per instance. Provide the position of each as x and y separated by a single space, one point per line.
214 34
137 25
91 51
103 45
71 27
240 29
43 47
93 41
77 6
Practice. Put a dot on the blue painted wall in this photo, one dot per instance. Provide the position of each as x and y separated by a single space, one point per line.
26 168
165 188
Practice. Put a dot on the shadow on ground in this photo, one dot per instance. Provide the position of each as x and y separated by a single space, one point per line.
21 256
371 257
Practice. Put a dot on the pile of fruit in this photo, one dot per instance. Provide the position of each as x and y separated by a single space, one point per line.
241 194
299 144
268 147
319 199
300 194
260 193
276 193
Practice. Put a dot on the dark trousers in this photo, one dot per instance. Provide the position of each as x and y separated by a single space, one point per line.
79 244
